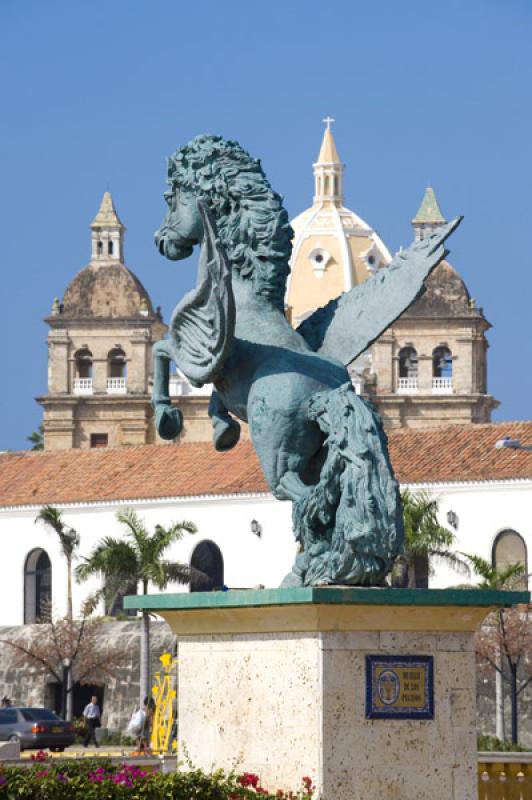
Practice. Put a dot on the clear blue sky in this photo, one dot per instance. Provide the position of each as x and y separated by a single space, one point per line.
96 94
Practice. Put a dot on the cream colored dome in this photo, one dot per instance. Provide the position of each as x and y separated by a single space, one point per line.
334 249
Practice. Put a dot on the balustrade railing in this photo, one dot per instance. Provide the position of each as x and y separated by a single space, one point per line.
505 776
82 386
407 385
442 386
116 386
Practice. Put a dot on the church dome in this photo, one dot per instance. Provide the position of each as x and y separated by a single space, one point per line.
333 249
106 290
446 295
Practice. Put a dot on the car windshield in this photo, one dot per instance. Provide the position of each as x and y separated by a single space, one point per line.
36 714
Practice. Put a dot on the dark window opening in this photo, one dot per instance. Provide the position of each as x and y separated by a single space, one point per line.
100 248
84 364
421 572
110 248
81 696
207 559
99 439
37 586
442 363
408 363
117 363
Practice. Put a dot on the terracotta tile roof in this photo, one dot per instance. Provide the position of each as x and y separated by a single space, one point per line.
453 453
461 453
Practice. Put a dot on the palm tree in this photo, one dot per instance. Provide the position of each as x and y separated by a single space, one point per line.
424 536
138 558
494 577
37 438
68 540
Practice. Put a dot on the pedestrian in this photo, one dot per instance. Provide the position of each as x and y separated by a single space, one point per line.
145 736
92 716
6 702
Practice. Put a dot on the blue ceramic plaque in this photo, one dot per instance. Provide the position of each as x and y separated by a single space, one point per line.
399 687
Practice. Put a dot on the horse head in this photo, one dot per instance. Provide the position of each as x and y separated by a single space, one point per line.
252 224
182 227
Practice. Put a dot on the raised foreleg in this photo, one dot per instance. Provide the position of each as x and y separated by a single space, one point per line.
168 418
225 429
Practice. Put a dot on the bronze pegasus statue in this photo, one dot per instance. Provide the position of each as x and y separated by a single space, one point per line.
320 444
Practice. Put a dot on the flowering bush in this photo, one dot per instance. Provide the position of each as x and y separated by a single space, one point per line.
82 780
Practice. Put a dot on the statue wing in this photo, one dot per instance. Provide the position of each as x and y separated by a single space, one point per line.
349 324
203 323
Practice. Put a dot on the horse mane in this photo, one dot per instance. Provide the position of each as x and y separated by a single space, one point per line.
251 220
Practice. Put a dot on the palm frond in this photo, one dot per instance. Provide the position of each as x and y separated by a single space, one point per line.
454 560
135 528
110 557
494 577
68 537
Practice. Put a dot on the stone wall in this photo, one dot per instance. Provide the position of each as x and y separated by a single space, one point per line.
120 694
26 687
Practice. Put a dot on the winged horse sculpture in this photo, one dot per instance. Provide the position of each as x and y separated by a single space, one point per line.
320 445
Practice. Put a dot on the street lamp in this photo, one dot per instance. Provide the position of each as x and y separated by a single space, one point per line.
513 444
66 669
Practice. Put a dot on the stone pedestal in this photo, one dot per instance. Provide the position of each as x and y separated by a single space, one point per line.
275 682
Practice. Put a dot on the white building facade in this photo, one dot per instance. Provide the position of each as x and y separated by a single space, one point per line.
484 497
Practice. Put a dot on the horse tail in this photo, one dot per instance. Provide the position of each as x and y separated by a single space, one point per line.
350 524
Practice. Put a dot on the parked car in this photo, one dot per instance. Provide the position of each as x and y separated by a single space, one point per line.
35 728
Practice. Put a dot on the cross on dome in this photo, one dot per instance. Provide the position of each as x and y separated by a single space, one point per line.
328 121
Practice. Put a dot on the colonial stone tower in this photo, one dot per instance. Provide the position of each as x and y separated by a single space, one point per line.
430 367
99 349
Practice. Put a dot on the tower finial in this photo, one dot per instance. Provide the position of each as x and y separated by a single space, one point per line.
428 216
328 169
107 232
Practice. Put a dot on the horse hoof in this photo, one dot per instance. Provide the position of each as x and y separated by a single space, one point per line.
226 434
168 421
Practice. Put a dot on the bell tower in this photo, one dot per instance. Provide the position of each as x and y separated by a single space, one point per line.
99 349
430 366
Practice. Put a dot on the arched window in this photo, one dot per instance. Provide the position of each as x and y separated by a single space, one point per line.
408 362
100 248
116 363
207 558
509 548
37 586
83 363
442 363
110 248
421 572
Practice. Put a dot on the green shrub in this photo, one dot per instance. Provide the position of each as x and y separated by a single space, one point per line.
493 744
82 780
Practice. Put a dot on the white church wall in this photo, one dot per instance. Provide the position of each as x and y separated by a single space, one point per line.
249 560
482 509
